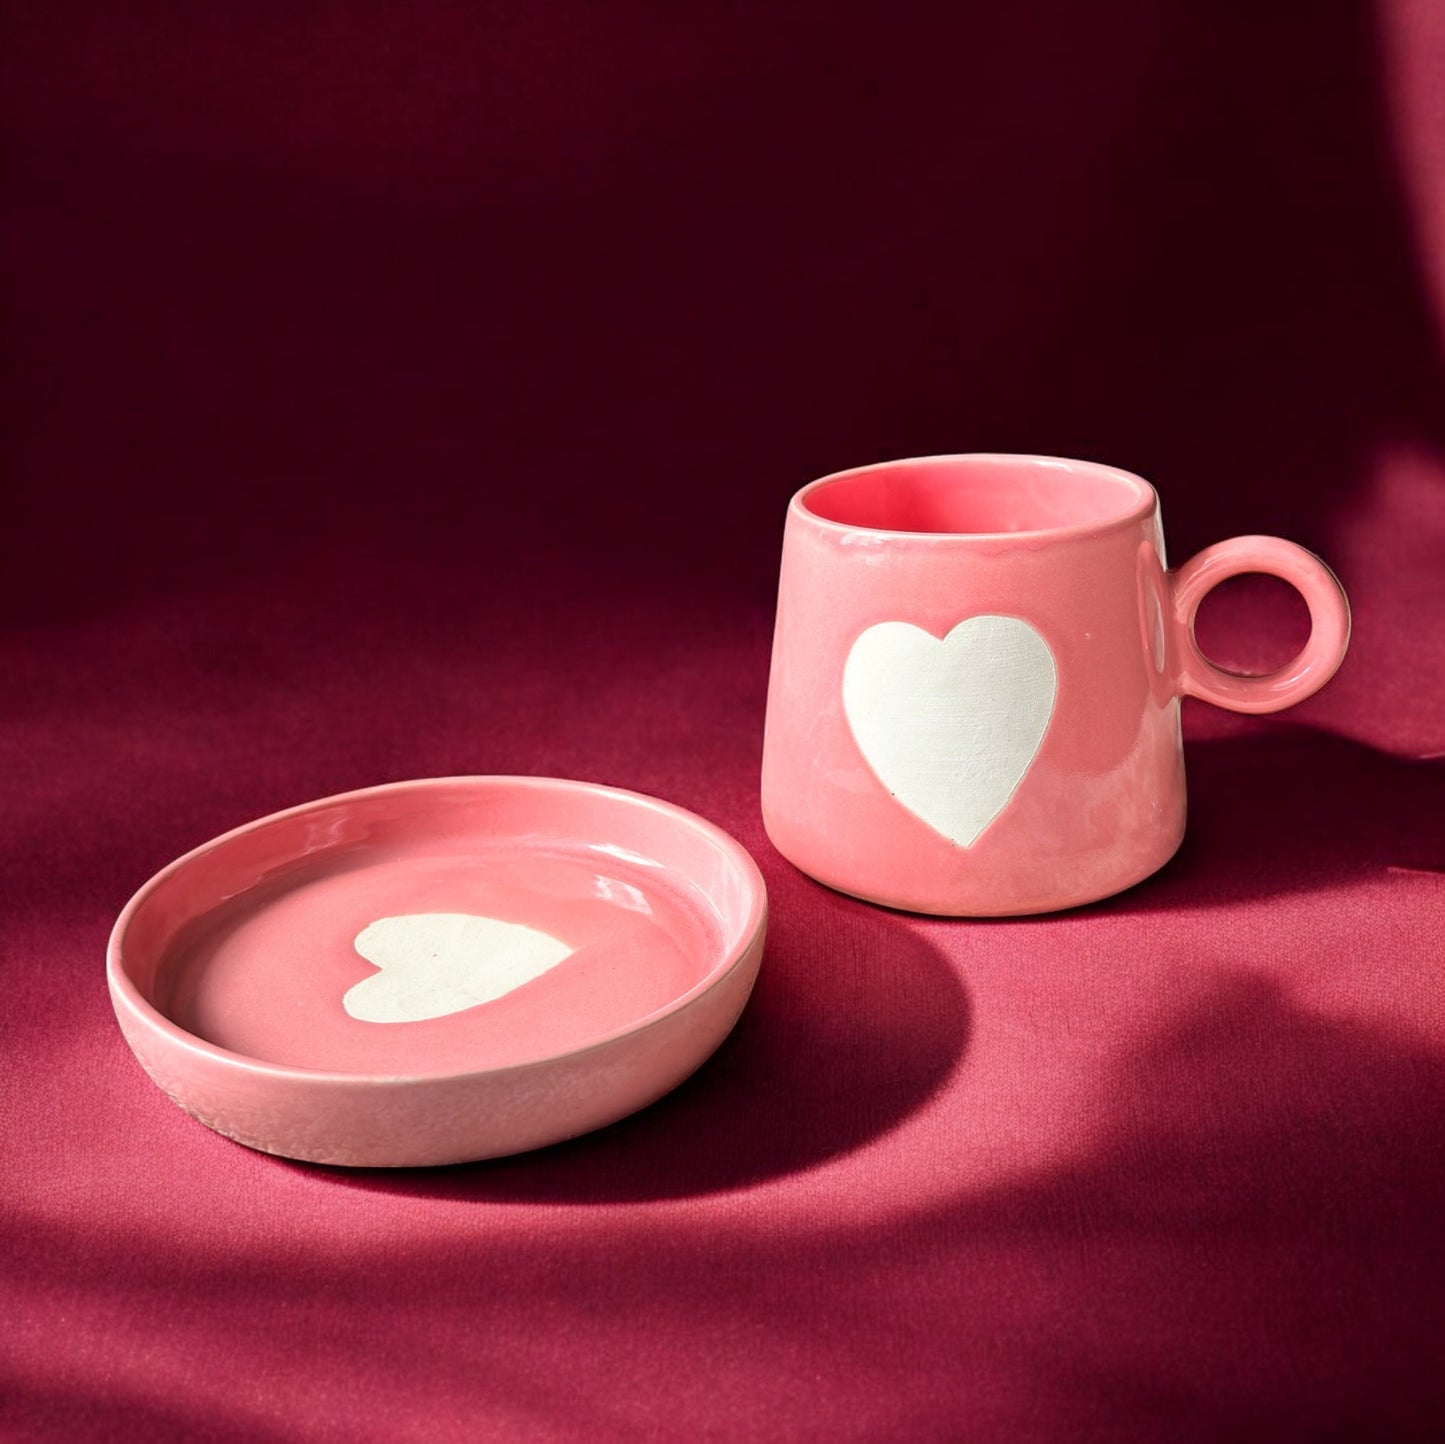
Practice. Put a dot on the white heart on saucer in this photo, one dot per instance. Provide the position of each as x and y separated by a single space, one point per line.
433 964
951 725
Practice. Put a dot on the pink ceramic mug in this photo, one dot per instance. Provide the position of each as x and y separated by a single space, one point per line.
974 701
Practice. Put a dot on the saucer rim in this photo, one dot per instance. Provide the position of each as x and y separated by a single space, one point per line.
129 1001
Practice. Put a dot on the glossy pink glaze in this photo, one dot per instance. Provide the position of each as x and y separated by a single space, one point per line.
228 969
1307 673
1073 549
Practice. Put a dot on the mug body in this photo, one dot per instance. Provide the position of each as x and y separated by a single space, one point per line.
970 709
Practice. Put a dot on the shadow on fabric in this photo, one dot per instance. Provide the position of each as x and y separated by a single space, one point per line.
1249 1248
90 1411
1289 808
619 288
828 1055
1244 1246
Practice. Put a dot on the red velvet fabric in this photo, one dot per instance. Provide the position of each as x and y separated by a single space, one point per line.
399 390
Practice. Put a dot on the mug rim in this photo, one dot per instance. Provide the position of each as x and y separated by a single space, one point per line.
1146 499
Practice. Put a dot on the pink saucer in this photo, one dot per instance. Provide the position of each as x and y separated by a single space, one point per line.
435 971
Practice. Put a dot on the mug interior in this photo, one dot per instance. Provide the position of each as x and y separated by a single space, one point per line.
978 495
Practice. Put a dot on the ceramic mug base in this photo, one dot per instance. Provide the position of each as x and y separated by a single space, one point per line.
1029 907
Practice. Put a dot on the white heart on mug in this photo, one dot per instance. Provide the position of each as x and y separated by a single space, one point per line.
951 725
433 964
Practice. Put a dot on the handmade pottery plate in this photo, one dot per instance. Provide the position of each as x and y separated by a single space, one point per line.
436 971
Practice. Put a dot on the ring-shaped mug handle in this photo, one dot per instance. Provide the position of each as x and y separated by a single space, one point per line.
1317 661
